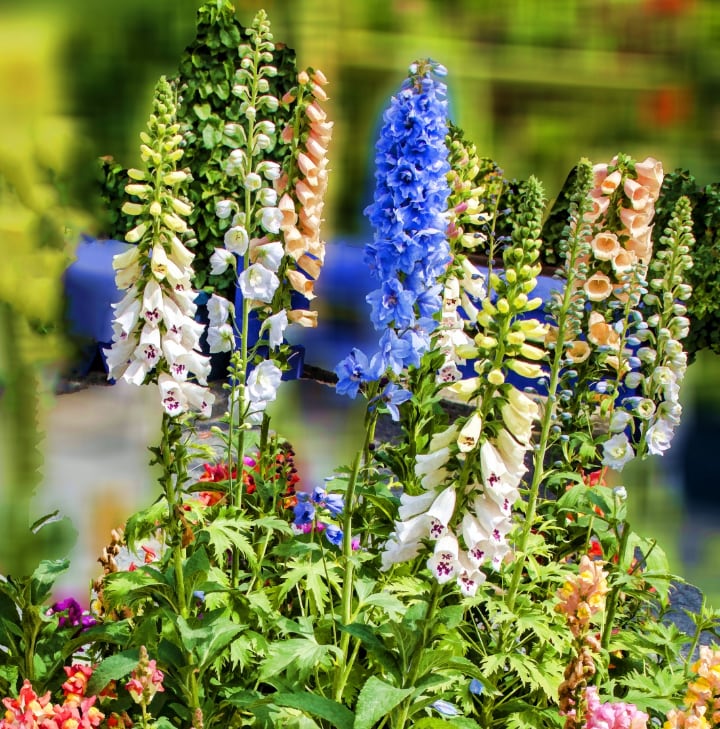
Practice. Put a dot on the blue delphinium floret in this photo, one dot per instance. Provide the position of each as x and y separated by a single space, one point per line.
333 534
353 371
392 396
334 503
303 510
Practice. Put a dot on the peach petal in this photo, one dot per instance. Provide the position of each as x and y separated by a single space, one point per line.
598 287
650 174
611 183
636 221
639 194
301 284
605 246
310 265
303 317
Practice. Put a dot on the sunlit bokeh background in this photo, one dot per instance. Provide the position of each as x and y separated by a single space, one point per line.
535 84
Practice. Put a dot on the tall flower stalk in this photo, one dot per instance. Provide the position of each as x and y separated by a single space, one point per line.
408 254
272 238
156 339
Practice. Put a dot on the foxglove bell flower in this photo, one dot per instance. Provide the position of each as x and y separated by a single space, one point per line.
258 283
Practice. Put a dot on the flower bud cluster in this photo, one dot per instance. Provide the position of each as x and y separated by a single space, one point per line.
155 337
583 596
464 285
663 359
146 680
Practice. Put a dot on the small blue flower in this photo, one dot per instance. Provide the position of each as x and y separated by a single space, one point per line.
334 535
334 503
392 396
303 510
476 687
394 351
352 371
391 304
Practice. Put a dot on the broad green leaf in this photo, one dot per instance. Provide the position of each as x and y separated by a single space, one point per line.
337 714
197 566
366 635
112 668
202 111
208 636
376 700
162 722
212 136
43 578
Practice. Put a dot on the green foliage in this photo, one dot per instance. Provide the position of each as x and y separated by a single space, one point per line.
36 647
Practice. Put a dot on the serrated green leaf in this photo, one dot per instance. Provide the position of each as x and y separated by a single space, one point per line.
112 668
337 714
126 588
311 577
305 654
376 700
225 533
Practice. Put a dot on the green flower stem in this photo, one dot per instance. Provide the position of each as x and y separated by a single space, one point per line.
420 649
361 457
173 464
612 600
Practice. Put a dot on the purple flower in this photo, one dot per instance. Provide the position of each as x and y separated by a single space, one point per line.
71 614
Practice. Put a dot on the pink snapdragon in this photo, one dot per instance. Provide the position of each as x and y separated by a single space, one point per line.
146 680
612 715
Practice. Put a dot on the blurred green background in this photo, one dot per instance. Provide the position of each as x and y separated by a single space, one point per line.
536 84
